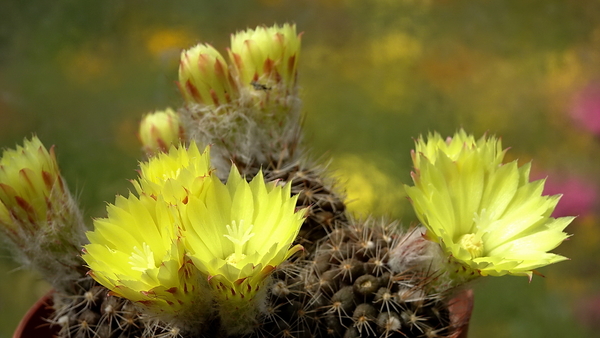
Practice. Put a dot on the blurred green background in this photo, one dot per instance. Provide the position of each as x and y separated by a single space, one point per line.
374 74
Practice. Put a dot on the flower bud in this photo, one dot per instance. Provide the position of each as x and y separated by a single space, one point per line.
266 56
204 76
38 215
28 176
175 175
159 130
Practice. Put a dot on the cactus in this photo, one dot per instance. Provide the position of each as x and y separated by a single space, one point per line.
251 238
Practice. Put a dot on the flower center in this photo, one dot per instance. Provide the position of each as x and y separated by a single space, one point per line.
472 243
234 258
239 237
173 174
142 259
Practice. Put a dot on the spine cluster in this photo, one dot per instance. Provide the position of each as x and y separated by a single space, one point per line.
92 312
348 288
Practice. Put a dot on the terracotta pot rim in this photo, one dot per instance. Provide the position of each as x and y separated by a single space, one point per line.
461 308
34 318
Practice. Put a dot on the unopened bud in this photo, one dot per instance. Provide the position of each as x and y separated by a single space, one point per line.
38 215
204 76
266 56
159 130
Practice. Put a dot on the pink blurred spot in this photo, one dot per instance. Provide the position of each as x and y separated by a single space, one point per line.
586 108
578 197
587 311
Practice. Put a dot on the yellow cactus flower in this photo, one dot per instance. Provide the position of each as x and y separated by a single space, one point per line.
486 215
159 130
490 151
176 174
266 55
239 232
204 76
137 253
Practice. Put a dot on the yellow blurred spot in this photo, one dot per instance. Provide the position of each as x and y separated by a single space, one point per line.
11 122
384 6
368 189
271 3
167 41
126 139
379 67
573 278
393 48
85 65
587 232
447 66
564 71
391 58
316 55
574 286
565 76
